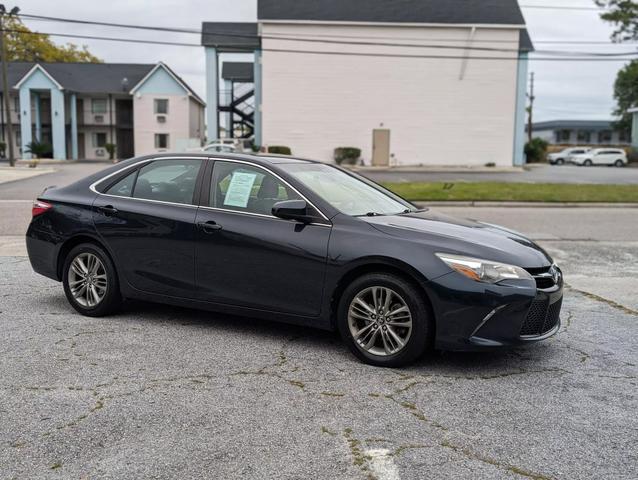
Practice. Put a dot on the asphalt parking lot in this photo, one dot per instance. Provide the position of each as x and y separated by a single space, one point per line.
163 392
158 392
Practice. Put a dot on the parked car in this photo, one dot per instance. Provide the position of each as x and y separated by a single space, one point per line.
296 241
562 157
601 156
220 148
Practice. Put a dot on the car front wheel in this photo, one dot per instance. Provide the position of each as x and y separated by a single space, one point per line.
588 163
619 163
90 281
384 320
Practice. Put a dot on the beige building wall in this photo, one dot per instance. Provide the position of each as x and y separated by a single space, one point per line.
439 111
147 124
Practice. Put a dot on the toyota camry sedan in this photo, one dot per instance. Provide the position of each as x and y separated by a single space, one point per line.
294 241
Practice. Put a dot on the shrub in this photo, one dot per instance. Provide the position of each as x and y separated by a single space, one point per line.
110 147
632 155
39 149
490 164
535 150
347 155
279 150
3 149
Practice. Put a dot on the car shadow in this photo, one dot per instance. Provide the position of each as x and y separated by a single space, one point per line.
491 363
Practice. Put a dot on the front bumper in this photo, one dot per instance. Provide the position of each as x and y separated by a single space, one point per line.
477 316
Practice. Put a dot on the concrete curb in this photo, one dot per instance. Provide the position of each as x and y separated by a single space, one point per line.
526 204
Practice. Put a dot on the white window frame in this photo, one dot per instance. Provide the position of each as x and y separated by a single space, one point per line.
157 142
94 102
156 103
95 141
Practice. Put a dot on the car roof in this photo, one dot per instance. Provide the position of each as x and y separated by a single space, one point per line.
260 159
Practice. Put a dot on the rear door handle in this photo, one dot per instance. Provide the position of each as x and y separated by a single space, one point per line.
210 226
108 210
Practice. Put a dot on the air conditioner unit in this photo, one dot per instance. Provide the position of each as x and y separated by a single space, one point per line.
99 118
100 152
161 119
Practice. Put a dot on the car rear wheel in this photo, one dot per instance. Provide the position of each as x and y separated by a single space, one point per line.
588 163
619 163
384 320
90 281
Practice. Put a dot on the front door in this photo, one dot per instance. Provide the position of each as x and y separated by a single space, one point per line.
147 219
381 147
247 257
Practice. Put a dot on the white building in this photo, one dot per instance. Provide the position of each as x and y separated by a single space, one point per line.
407 81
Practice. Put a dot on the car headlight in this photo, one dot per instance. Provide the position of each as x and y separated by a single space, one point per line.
484 270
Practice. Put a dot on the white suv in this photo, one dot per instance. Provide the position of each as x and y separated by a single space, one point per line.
560 158
601 156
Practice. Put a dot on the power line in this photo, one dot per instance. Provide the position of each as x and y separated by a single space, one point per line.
594 56
349 39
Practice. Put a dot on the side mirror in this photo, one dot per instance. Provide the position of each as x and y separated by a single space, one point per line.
292 210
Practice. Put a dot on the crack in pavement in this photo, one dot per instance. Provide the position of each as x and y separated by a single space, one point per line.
598 298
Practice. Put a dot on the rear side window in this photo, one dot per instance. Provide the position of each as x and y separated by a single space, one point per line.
168 181
163 180
123 188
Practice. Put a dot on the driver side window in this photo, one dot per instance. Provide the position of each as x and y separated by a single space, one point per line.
243 188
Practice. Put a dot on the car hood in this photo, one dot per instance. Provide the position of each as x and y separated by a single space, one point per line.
448 234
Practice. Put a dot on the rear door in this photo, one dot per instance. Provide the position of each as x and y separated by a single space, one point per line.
147 219
247 257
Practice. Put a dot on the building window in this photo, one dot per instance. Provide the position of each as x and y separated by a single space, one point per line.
624 136
16 104
604 136
18 138
562 136
99 140
584 136
161 140
161 106
98 105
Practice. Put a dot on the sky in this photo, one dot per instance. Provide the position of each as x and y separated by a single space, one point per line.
564 90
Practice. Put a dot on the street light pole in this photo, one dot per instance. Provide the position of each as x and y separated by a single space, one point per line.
5 83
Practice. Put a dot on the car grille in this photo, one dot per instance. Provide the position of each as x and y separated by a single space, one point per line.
541 318
545 277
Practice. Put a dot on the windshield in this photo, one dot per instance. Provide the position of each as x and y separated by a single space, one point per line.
347 193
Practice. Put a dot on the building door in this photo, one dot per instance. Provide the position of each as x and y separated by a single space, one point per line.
381 147
124 124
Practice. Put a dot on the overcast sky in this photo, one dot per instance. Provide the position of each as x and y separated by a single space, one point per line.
569 90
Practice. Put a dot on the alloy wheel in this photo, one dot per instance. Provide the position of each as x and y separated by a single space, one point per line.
380 321
87 280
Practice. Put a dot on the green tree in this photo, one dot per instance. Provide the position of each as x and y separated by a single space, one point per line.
23 45
626 94
623 14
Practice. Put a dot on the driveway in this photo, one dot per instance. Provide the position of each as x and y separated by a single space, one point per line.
536 174
163 392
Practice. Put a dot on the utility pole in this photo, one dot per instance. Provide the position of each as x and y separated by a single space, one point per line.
530 109
5 84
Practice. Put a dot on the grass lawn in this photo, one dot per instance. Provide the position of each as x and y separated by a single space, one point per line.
515 192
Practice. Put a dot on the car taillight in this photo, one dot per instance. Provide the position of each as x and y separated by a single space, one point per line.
39 207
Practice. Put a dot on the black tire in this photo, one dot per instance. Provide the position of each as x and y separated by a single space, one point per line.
111 300
588 163
422 332
560 161
619 163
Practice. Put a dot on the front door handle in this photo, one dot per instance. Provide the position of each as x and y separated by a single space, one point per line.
108 210
210 226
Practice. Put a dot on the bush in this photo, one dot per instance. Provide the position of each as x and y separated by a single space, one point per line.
632 155
39 149
279 150
347 155
3 149
535 150
110 147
